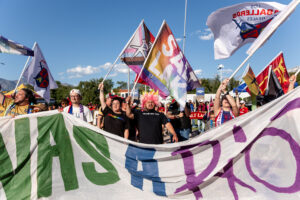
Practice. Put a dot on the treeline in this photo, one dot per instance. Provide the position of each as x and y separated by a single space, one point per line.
90 93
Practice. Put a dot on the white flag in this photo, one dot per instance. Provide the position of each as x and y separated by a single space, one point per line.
273 26
38 74
239 24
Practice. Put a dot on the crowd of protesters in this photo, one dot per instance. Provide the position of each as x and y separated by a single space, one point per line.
147 121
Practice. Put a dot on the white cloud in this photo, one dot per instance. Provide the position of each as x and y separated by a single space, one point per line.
197 32
206 36
80 71
198 71
179 39
227 70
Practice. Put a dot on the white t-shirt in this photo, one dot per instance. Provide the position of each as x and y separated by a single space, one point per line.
87 115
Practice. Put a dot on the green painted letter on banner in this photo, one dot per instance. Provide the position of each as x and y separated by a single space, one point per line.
84 136
18 179
54 125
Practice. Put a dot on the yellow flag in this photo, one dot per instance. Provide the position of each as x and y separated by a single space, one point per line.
250 80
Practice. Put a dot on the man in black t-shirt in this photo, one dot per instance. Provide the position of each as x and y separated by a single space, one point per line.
150 121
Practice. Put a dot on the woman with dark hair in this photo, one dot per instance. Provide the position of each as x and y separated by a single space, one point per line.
115 120
225 108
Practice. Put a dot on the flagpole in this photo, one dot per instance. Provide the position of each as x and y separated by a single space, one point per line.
184 36
241 65
147 57
24 68
128 84
297 72
122 51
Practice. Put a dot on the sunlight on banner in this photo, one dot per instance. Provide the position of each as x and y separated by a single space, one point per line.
53 155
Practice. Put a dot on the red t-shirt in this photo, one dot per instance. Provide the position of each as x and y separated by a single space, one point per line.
243 110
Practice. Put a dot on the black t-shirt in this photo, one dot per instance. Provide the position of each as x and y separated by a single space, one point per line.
175 122
115 123
185 122
150 126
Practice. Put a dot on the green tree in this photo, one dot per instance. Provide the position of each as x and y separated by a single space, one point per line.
89 90
61 92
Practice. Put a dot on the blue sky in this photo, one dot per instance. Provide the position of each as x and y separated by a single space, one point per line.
80 39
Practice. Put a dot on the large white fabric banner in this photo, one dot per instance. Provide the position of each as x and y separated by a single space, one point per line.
53 155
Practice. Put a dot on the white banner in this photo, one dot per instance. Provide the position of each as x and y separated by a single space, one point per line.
53 155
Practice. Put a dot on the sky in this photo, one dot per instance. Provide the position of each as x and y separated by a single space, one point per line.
81 39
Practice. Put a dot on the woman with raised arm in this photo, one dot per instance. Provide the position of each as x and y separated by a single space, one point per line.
115 120
225 107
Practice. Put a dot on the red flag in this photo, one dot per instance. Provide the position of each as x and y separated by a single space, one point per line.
279 68
262 80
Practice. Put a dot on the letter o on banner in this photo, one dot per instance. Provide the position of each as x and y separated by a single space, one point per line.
296 152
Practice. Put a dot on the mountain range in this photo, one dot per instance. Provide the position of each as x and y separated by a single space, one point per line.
7 85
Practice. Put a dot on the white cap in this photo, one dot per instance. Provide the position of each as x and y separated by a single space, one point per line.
76 91
242 101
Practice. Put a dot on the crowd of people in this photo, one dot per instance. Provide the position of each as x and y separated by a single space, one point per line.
147 121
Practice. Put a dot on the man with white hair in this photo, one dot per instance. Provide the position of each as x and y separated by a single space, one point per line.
77 109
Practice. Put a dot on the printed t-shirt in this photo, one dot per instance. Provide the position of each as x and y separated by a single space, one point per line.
150 126
115 123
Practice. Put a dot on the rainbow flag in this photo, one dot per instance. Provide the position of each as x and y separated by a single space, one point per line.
135 54
167 63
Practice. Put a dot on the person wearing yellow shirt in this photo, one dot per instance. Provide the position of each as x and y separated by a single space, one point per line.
20 105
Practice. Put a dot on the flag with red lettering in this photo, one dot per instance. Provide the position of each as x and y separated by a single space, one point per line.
236 25
167 63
